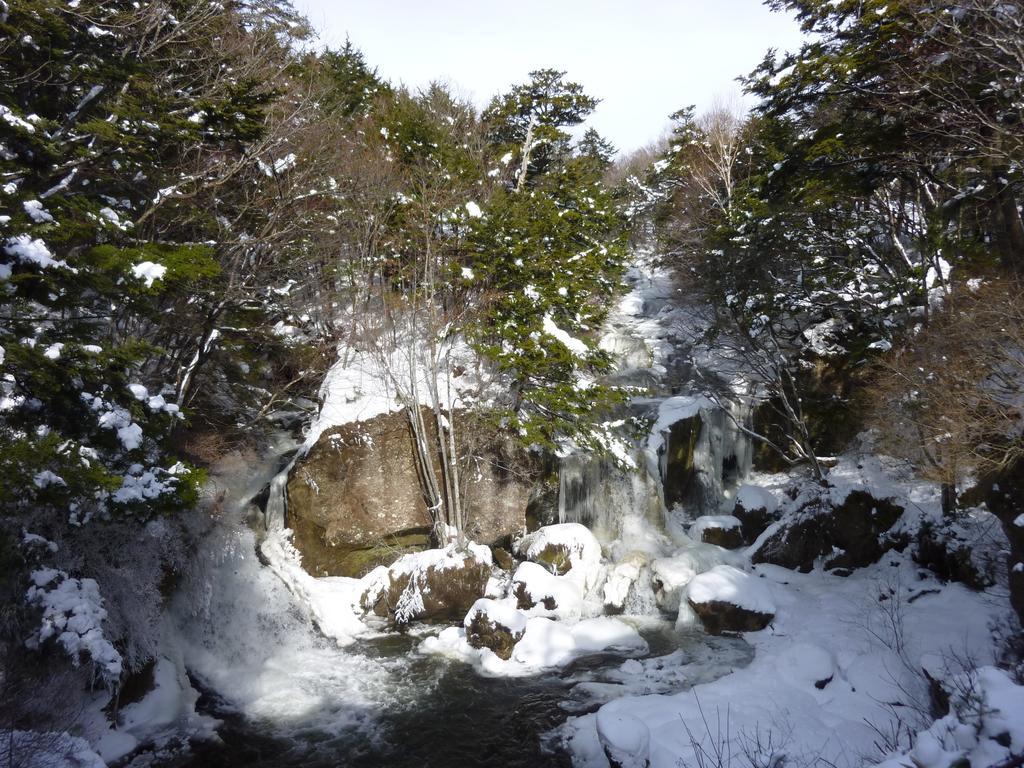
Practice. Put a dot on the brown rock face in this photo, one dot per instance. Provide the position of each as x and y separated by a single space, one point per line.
354 501
753 521
718 616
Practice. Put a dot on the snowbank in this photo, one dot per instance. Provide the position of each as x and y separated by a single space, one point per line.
822 674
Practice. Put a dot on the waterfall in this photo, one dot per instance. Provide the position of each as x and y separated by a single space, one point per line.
689 470
277 500
722 455
623 507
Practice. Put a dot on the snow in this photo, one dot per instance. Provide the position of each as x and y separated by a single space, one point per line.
142 483
545 644
499 614
752 497
14 121
467 273
138 391
279 166
582 547
709 522
130 436
46 478
37 212
823 338
31 251
625 738
984 726
727 584
672 410
473 210
369 381
149 271
571 343
674 573
73 615
539 583
333 602
825 626
53 351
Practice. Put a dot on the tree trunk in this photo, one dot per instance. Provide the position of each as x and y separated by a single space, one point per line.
1012 228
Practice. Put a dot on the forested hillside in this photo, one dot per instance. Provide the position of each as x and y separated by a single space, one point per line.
217 235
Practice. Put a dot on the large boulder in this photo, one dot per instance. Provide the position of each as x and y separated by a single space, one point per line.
843 532
434 585
354 500
956 552
1004 495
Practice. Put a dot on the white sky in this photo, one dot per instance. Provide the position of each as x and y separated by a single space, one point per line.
644 58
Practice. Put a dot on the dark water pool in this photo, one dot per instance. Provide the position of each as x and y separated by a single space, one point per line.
445 716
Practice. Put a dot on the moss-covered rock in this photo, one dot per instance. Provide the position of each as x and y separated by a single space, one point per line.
554 557
485 630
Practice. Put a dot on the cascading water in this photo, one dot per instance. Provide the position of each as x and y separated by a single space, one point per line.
286 695
616 503
722 455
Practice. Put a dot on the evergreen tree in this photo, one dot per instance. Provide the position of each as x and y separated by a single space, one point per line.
546 257
527 124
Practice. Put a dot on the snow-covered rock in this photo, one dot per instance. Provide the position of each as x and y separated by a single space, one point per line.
433 585
671 574
729 600
565 549
545 644
540 591
721 530
494 625
626 740
623 577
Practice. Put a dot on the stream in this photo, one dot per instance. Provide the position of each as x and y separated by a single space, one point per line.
287 696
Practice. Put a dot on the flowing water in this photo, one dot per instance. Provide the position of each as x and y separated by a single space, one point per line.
287 696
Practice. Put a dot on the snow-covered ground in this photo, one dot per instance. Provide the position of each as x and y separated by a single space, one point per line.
838 669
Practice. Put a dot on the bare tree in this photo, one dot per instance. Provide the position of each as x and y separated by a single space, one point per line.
953 398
